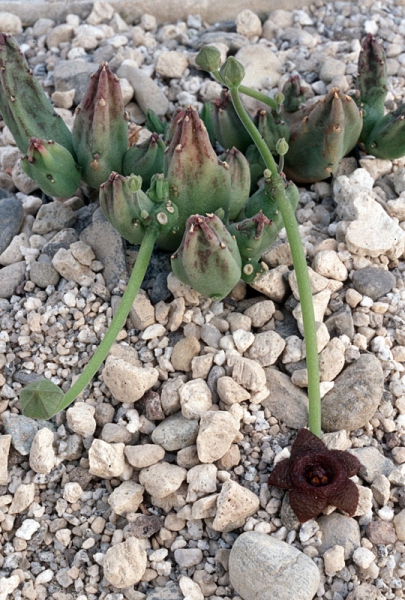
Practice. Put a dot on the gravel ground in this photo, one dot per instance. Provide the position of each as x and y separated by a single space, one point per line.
152 486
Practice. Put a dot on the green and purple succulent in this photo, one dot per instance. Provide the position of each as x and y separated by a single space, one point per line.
215 212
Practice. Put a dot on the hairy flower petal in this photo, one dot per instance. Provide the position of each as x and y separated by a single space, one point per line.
280 476
347 498
306 443
352 462
307 505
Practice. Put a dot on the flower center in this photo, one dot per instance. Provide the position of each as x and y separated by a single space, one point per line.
317 476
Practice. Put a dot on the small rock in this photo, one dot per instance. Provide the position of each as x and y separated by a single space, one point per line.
106 460
147 94
341 531
365 591
107 245
11 218
127 382
355 396
54 216
331 68
381 532
248 373
195 398
142 313
261 566
42 454
5 441
399 524
175 432
44 274
248 24
70 268
162 479
183 353
332 359
11 277
201 480
125 563
23 497
10 23
266 348
234 505
80 419
101 11
272 283
126 498
334 560
363 557
143 526
231 392
217 431
27 529
373 463
381 489
145 455
262 66
373 282
328 264
261 312
171 63
188 557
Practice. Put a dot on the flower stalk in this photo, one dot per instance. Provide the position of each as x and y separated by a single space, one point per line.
299 261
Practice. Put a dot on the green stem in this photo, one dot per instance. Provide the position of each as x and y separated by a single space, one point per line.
300 266
243 89
118 321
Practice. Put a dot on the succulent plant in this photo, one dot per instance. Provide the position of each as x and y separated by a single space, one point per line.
208 258
52 166
145 159
100 130
226 125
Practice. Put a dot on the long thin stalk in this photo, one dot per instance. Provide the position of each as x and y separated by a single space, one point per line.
118 321
300 266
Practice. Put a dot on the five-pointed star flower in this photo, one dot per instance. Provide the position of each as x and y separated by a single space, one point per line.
317 477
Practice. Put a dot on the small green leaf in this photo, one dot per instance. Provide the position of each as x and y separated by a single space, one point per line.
41 399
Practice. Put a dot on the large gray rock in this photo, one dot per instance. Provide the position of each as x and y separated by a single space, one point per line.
11 218
287 402
338 530
354 399
263 567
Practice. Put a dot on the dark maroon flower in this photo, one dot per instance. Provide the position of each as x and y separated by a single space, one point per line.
317 477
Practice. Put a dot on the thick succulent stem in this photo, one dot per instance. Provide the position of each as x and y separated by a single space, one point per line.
118 321
300 266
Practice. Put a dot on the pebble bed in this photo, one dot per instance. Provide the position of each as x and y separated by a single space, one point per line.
152 486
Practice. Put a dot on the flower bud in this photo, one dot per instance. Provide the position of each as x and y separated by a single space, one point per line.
100 130
52 167
24 106
208 59
198 180
208 258
232 72
145 159
125 205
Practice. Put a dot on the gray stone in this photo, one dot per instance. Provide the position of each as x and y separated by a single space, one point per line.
54 216
287 402
171 591
73 75
22 430
147 93
11 277
338 530
341 323
175 432
11 218
108 247
364 591
263 567
373 463
373 282
44 274
266 348
355 396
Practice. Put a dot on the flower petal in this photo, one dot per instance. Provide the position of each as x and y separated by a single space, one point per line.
347 498
307 505
350 461
280 476
307 443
